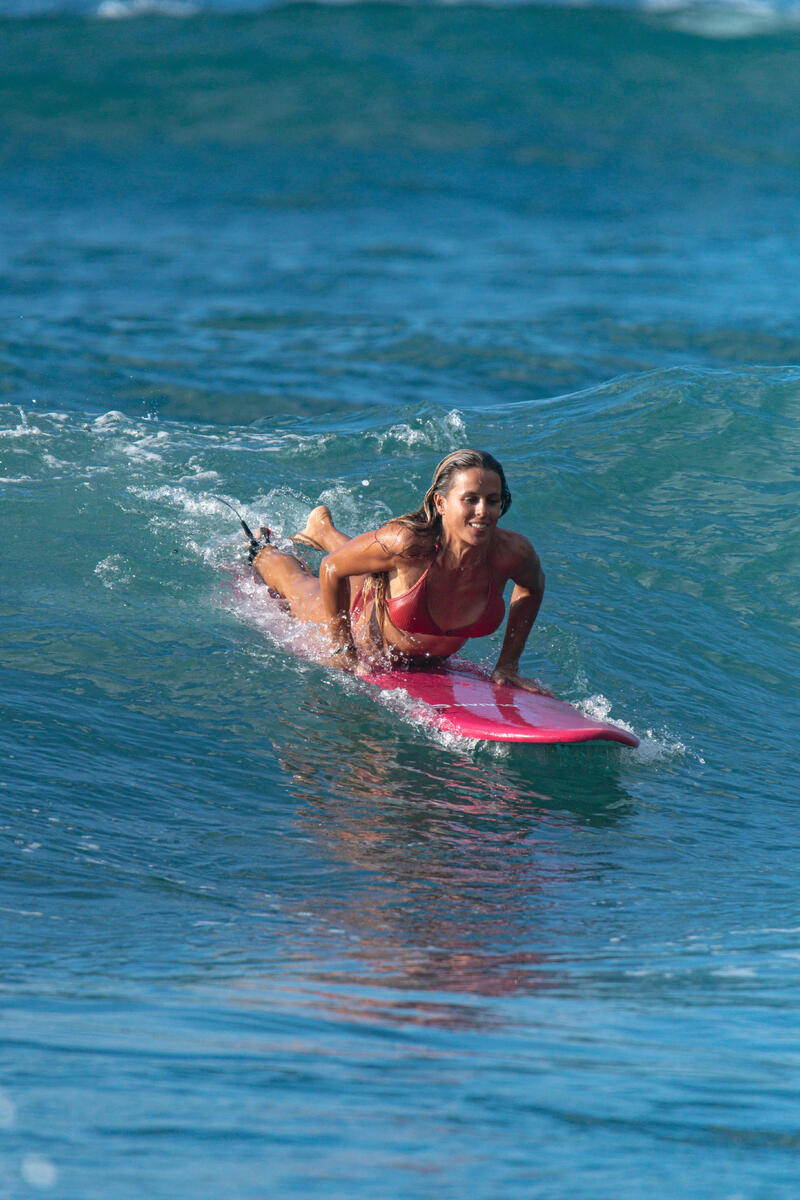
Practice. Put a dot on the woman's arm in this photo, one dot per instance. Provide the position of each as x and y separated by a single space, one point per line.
369 553
526 571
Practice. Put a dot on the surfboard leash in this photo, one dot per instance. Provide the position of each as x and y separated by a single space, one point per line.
255 543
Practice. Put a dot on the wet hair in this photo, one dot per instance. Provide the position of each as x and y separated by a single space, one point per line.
426 521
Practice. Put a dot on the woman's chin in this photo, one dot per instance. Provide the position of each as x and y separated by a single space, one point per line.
477 535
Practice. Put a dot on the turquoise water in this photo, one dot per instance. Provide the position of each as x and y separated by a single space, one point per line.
266 935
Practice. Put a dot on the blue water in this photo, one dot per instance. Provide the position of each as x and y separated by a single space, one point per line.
265 935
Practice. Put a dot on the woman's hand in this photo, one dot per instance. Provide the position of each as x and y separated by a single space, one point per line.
344 658
512 677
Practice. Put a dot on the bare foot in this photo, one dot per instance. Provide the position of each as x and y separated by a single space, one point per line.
318 529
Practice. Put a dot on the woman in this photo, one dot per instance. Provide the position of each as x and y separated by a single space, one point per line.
416 589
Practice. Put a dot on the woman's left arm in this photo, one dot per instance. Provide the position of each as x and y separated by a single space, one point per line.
526 571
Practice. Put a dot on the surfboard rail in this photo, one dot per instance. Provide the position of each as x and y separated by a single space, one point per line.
463 699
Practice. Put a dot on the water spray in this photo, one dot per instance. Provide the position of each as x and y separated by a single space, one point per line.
255 543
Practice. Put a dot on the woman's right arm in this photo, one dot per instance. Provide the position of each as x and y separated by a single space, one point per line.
369 553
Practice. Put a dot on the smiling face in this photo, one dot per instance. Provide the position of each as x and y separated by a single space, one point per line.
470 509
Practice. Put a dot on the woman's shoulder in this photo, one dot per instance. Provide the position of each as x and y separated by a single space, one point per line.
513 550
401 541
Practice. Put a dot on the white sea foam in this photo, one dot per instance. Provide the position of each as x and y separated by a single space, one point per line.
252 603
178 498
112 572
121 10
399 701
140 451
726 21
8 1111
449 431
354 511
597 707
109 420
422 717
38 1171
23 429
55 464
199 474
780 12
653 746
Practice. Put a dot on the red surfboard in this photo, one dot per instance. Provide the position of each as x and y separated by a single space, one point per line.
463 700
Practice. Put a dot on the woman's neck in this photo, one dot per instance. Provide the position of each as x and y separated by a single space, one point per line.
459 556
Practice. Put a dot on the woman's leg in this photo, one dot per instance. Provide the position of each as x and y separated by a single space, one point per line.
291 578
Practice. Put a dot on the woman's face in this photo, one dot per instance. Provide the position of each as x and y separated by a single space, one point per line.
470 509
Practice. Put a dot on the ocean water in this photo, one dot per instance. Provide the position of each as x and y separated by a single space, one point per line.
264 934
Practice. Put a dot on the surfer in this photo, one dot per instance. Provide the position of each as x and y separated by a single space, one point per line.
413 591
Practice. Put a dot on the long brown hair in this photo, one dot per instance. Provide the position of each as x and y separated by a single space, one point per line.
426 521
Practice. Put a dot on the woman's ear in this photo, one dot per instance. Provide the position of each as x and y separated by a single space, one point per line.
438 500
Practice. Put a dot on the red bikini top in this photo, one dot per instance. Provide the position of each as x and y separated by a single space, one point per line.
409 612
